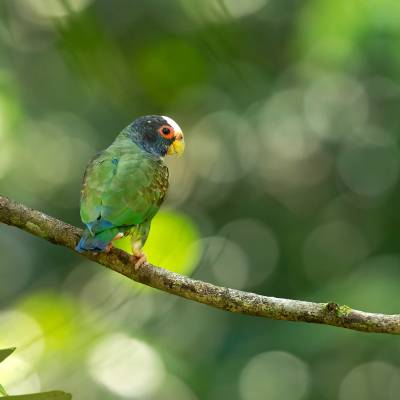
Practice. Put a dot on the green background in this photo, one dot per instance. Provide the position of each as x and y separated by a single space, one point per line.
288 187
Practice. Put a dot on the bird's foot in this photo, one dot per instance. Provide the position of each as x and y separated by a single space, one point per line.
108 248
138 259
110 245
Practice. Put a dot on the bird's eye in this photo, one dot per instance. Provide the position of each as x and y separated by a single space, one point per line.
166 132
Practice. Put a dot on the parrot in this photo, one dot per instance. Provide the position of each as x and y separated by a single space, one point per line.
125 184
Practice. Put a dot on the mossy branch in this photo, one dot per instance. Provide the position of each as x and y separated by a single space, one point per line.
60 233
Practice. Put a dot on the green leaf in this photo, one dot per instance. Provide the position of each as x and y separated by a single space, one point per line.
54 395
2 391
4 353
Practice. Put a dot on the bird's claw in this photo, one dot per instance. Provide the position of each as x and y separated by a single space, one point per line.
138 259
108 248
110 245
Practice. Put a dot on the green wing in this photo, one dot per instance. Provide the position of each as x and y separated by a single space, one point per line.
122 189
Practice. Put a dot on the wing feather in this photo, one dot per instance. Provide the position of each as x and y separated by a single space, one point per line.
122 190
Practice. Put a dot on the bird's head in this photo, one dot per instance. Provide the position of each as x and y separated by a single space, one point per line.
157 135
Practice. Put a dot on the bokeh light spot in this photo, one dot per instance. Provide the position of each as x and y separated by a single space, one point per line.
227 260
371 381
16 376
43 9
22 331
240 8
126 366
118 299
173 242
283 128
173 388
275 375
369 170
221 11
58 317
335 105
374 284
213 158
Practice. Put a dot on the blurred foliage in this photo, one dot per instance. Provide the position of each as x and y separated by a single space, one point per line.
54 395
289 187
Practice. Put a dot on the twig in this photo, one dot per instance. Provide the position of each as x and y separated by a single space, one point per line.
60 233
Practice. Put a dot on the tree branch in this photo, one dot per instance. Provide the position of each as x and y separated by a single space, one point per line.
60 233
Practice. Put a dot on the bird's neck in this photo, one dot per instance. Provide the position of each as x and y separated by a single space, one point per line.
126 144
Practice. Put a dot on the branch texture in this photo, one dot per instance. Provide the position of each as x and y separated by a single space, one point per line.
60 233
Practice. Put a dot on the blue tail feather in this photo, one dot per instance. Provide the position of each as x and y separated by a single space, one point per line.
90 244
97 242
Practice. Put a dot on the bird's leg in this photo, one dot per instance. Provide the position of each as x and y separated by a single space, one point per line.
138 257
119 235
